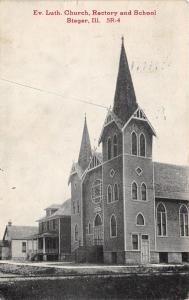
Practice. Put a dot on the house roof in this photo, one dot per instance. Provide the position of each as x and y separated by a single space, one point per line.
19 232
53 206
64 210
171 181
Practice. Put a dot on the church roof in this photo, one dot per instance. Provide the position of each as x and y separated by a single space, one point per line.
124 100
76 169
110 117
171 181
85 148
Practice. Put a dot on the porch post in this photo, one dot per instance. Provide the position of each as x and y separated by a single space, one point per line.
44 250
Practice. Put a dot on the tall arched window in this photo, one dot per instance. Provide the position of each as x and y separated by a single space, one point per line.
109 148
140 219
134 144
161 220
109 194
115 145
116 192
142 145
113 226
98 220
89 228
76 233
183 217
134 191
143 191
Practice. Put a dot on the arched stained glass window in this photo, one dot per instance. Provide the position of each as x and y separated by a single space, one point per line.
140 219
113 226
134 191
134 144
116 192
143 191
142 145
183 217
161 220
115 144
109 194
98 220
109 148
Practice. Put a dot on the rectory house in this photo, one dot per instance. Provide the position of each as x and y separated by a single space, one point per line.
126 208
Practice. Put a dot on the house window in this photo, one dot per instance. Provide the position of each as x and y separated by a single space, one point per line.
109 148
23 247
161 220
76 233
135 241
113 227
140 220
143 191
183 217
48 225
97 191
73 207
78 206
115 145
98 220
109 194
134 144
116 192
134 191
142 145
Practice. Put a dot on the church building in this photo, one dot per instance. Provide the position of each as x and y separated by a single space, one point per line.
126 208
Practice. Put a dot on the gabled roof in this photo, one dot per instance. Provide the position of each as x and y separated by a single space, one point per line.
64 210
110 118
76 169
124 100
96 161
171 181
53 206
140 115
19 232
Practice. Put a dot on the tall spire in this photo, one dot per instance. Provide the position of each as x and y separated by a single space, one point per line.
85 148
124 100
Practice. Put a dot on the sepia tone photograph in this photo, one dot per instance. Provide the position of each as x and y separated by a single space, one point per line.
94 150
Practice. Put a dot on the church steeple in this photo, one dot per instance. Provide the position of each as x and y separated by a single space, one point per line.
85 152
124 100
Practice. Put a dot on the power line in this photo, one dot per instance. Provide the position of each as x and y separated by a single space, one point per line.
53 93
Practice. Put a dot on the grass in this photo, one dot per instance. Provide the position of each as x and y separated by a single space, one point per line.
173 287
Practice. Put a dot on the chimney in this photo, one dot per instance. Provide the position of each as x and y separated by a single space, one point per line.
9 223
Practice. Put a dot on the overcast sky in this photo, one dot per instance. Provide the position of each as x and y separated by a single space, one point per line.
40 133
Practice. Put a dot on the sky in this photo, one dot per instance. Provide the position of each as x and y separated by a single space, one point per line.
40 131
